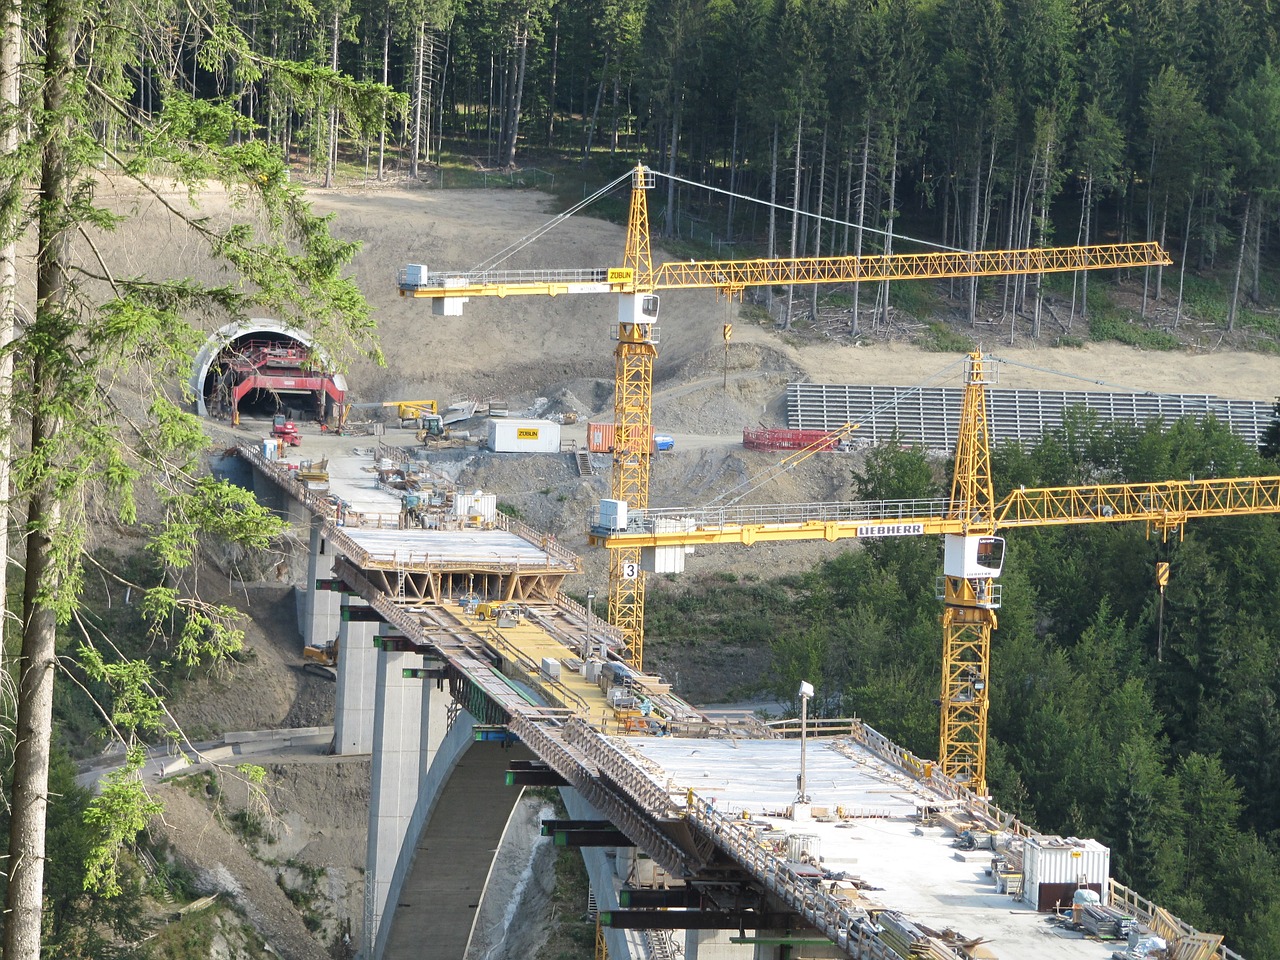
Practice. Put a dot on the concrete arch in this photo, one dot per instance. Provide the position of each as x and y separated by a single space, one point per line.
228 336
462 813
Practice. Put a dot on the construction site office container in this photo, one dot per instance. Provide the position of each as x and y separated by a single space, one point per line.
1053 868
601 436
524 436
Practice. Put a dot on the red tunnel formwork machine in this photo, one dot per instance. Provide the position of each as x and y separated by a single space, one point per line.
275 368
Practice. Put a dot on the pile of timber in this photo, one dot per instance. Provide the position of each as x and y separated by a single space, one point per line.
1106 923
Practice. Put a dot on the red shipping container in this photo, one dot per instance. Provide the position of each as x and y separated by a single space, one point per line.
600 437
788 439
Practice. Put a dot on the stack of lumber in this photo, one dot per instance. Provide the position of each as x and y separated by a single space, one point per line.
910 941
1106 923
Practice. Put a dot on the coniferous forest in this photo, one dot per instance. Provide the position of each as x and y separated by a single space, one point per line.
968 123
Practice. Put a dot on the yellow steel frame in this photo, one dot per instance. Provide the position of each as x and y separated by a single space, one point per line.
734 275
637 349
632 411
967 624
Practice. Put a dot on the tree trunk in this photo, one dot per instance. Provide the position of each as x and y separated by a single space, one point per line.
1235 286
551 101
1255 287
516 95
817 238
773 208
795 218
386 71
1182 261
331 152
972 242
733 173
10 132
888 233
414 148
669 224
36 663
862 213
595 110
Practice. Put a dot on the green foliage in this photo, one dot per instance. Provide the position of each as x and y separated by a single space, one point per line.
1114 326
940 338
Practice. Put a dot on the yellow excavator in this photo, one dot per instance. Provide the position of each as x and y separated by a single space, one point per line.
419 410
321 661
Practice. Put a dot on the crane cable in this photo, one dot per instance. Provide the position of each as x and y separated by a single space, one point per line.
815 216
770 474
513 248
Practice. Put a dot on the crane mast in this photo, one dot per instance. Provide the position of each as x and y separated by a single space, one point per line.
632 412
970 595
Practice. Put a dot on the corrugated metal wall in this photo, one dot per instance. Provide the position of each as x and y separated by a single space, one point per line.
929 415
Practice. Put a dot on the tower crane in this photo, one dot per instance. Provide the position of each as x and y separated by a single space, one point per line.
973 553
636 284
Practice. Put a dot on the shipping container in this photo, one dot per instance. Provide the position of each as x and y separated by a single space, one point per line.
477 508
788 439
524 436
1053 868
600 437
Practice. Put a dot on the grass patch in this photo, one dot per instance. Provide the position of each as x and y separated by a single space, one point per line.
916 297
1112 326
940 338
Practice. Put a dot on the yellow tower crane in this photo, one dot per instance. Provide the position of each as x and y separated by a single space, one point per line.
973 554
636 283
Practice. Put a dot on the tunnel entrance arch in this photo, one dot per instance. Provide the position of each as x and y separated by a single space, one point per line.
261 367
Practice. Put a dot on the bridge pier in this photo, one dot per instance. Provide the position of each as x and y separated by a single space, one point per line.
353 718
322 610
407 735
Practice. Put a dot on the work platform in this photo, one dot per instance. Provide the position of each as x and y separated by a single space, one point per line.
865 833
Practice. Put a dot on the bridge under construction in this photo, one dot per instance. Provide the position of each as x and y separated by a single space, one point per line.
466 672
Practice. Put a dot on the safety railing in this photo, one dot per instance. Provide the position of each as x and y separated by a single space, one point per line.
1146 913
844 927
544 541
552 689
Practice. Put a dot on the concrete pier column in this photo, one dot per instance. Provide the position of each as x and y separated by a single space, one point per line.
715 945
353 717
321 611
400 737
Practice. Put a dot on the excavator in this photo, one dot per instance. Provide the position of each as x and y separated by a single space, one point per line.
415 411
321 661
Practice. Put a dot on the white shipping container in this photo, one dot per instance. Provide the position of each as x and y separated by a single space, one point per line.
1054 860
478 504
524 436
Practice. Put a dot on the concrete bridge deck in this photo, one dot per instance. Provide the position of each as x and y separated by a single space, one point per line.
719 816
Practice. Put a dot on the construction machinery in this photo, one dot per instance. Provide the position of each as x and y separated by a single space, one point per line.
321 661
415 412
282 428
636 283
973 554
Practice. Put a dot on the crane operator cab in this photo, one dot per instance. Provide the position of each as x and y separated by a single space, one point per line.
978 560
